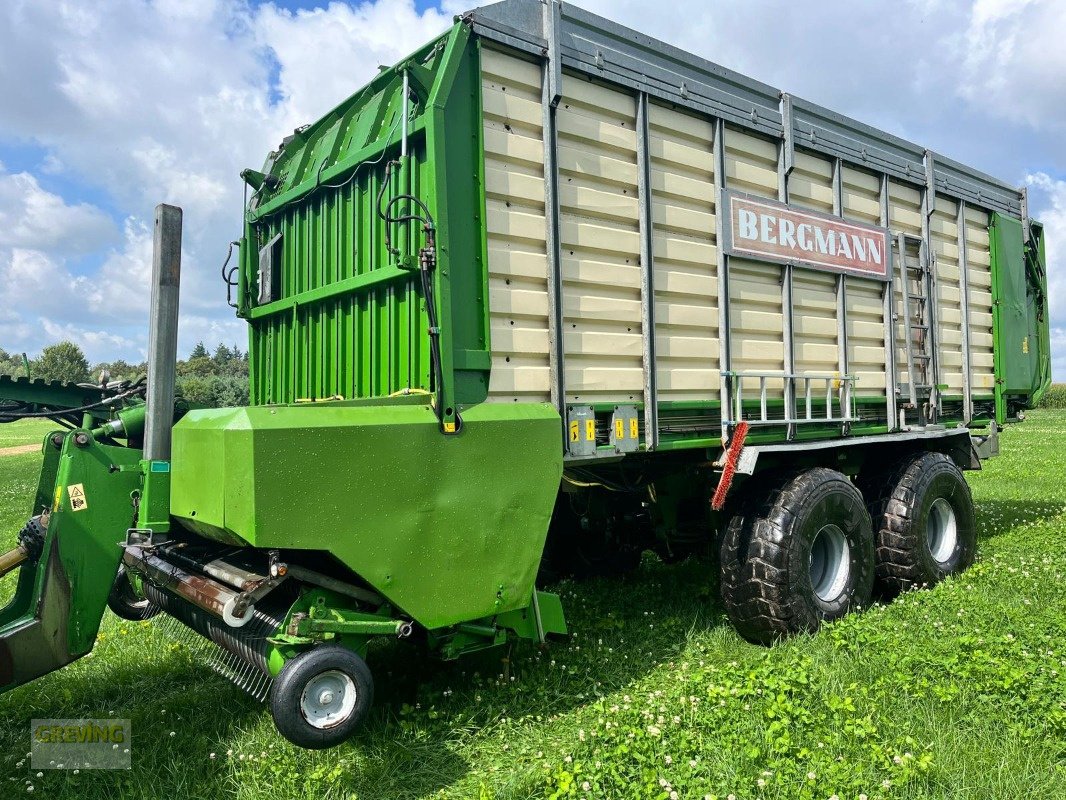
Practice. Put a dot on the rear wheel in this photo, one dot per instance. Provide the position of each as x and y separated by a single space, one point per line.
799 554
924 525
322 696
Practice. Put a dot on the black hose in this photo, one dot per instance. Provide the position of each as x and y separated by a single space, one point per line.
12 417
427 263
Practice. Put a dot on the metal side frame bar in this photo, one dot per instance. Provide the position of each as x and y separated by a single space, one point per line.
724 361
964 291
549 109
932 307
889 313
842 297
647 276
785 162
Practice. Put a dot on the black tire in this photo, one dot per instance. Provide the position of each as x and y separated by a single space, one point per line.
797 555
124 601
918 542
330 666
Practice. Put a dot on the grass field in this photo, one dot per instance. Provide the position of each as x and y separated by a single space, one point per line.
958 691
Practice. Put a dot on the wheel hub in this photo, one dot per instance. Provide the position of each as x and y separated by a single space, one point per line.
941 531
830 564
328 699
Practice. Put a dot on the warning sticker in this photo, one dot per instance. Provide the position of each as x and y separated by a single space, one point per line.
634 428
574 431
590 430
619 429
76 495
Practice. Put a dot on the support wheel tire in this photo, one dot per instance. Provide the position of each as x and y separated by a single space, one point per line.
796 556
924 526
124 601
321 697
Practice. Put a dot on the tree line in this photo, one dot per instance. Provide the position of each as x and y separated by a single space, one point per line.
204 378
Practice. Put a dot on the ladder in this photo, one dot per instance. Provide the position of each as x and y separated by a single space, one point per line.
916 282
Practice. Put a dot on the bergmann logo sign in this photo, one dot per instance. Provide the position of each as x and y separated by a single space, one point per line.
772 231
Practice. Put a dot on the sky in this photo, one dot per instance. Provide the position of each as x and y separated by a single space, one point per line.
109 108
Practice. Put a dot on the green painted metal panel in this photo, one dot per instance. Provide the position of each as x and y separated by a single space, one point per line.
345 315
1020 313
59 602
448 528
1014 370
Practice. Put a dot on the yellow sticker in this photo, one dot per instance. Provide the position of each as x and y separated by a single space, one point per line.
619 429
59 496
449 427
634 428
575 431
590 430
76 495
1025 345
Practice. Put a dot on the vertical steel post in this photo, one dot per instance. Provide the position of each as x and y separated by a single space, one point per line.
721 222
550 89
889 314
785 161
842 297
163 332
403 116
964 294
932 307
647 276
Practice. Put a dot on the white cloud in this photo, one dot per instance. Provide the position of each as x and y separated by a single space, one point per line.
326 54
1013 61
31 217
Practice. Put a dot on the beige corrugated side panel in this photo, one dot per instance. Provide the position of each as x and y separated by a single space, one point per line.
861 194
755 318
684 246
944 234
600 243
814 304
514 199
979 273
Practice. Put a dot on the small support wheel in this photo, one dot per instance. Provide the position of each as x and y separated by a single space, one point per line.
924 524
126 603
321 697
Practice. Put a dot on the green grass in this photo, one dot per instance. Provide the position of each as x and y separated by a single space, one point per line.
958 691
25 432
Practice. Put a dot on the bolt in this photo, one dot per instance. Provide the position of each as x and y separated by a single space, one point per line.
57 440
325 698
82 439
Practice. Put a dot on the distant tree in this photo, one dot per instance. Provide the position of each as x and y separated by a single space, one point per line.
218 380
11 363
201 367
61 362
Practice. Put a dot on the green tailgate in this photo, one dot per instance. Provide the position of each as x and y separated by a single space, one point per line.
1020 313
